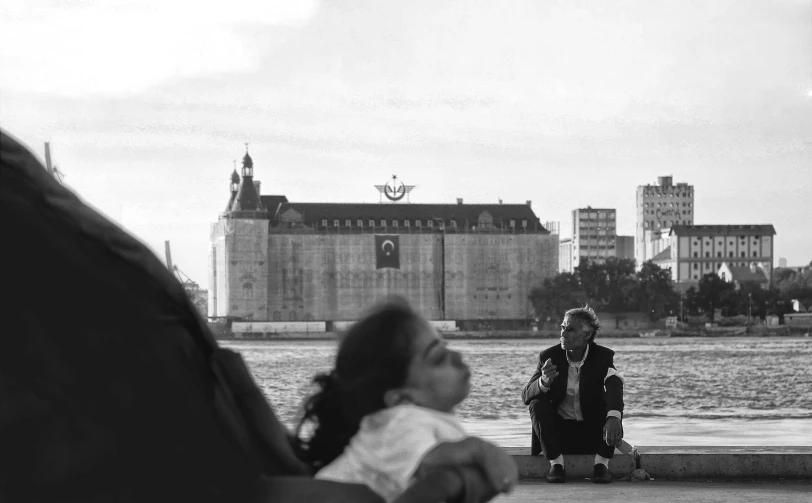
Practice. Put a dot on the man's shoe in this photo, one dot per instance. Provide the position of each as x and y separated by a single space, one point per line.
600 475
556 474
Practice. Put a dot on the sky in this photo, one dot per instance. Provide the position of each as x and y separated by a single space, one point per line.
147 103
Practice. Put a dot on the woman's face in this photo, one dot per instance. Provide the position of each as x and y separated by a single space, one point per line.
438 378
574 333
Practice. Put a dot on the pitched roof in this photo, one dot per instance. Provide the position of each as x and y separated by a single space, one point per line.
663 255
723 230
313 213
272 202
247 198
745 274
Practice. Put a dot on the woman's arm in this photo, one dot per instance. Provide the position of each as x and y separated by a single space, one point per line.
499 468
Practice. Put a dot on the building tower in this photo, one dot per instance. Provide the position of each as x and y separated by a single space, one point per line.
247 199
235 187
593 234
238 281
660 207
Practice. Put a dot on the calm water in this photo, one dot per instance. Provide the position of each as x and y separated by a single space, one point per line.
680 391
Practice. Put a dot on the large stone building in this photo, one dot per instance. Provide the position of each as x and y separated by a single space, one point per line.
593 234
659 207
691 251
276 260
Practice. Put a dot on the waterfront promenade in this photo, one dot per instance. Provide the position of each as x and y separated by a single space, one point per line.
789 491
718 474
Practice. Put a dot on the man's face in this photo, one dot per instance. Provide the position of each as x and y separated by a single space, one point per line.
574 334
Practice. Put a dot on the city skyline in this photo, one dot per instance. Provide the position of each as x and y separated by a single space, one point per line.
565 105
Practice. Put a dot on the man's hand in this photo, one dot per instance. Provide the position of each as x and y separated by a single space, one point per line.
612 431
548 372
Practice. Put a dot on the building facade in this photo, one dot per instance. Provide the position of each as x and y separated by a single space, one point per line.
593 234
659 207
565 255
276 260
691 251
624 247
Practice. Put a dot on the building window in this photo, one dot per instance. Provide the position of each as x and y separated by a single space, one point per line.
348 223
417 223
429 223
383 223
359 223
512 224
696 254
405 223
730 254
454 224
372 223
707 254
335 222
696 266
524 223
394 223
755 254
743 254
324 222
718 254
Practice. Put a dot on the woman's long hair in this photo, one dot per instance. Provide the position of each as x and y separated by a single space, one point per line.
373 357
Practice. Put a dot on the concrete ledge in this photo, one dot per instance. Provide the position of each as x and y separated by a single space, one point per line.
576 465
727 462
678 463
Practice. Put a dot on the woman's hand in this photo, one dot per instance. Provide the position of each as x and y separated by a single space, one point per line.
498 467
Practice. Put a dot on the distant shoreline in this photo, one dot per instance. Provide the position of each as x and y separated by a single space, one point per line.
799 332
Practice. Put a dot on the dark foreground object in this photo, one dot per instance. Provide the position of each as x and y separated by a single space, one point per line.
112 387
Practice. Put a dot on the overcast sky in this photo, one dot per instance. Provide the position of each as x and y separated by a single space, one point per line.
568 104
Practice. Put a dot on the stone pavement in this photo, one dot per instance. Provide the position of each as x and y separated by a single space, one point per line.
654 491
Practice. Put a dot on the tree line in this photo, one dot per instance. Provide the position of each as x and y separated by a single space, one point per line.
615 287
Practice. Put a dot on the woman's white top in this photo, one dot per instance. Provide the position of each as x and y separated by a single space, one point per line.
389 446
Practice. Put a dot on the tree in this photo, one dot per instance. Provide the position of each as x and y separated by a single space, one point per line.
556 295
712 292
655 291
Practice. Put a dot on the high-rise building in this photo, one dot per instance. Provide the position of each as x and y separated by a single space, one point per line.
593 234
660 207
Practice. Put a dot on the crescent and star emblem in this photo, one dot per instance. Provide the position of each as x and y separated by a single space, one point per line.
394 190
390 243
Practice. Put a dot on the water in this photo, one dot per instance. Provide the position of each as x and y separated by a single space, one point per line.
679 391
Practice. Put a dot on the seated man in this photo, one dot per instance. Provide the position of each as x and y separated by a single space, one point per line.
579 410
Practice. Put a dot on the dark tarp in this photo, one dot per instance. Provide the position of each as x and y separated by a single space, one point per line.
112 387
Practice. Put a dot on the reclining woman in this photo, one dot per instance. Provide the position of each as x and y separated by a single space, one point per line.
384 415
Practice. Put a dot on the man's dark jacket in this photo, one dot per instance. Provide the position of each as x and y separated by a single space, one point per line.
597 397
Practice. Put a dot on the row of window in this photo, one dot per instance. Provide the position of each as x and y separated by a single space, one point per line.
719 254
657 193
584 215
667 205
651 224
654 212
396 223
731 241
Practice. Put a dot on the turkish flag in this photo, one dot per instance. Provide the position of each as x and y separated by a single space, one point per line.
387 251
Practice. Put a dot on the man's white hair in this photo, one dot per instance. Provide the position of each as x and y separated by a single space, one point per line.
588 316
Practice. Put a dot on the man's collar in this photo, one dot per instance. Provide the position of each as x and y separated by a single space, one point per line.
577 364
